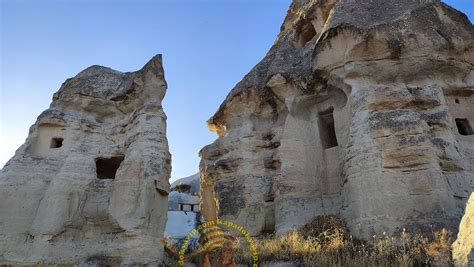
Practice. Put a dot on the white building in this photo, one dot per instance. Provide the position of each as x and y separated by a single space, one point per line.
183 207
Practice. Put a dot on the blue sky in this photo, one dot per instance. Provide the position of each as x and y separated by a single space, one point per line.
207 47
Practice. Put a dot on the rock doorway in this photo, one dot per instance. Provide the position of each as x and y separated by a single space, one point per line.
327 129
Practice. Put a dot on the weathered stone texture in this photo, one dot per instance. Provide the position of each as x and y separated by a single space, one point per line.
90 183
354 111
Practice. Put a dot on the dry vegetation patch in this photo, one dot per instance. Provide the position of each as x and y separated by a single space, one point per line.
327 242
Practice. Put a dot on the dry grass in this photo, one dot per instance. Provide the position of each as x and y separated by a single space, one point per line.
326 242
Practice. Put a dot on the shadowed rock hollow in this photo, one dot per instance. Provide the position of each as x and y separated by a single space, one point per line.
362 109
90 183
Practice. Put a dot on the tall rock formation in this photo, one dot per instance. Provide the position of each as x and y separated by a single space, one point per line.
463 247
363 109
90 183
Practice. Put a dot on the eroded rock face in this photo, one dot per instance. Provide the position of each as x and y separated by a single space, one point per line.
363 109
90 183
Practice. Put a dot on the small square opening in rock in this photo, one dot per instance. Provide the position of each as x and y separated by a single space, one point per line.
464 128
106 168
56 142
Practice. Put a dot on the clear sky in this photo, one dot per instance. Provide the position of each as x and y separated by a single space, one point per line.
207 47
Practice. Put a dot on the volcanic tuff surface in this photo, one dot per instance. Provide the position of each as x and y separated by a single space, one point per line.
90 183
363 109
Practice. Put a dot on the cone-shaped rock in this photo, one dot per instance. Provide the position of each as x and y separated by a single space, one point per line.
363 109
90 183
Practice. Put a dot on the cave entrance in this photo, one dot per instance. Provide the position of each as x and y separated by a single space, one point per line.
464 128
327 131
306 34
56 142
107 167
